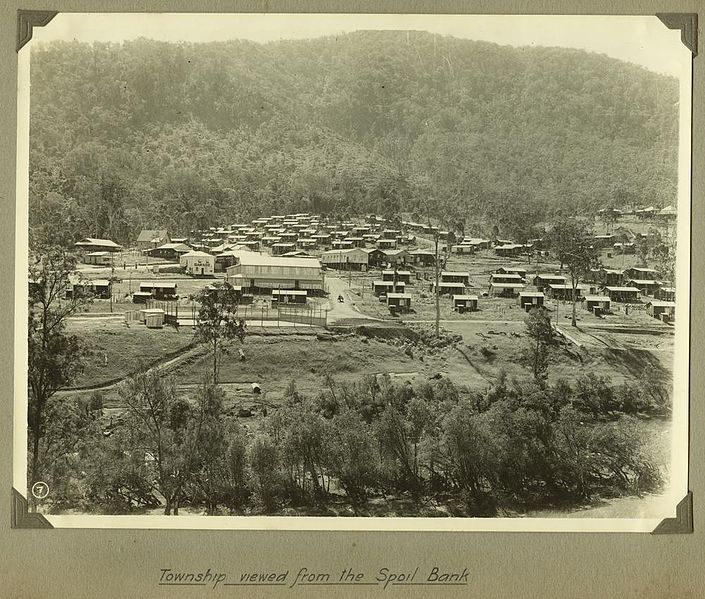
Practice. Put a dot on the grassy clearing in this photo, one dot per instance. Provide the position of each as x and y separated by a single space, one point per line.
489 348
274 361
115 351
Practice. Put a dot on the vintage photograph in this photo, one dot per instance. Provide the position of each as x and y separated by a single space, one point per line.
360 266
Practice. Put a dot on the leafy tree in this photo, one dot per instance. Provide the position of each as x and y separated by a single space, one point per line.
594 394
572 242
117 478
470 452
264 463
541 338
604 456
69 433
351 454
155 438
236 489
300 433
400 431
217 323
610 216
664 255
644 246
54 357
657 390
630 399
206 445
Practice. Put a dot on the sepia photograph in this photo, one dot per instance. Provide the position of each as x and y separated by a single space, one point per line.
353 271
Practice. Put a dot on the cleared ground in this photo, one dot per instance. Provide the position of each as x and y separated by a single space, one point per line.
116 350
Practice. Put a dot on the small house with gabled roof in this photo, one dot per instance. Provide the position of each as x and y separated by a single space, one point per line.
152 238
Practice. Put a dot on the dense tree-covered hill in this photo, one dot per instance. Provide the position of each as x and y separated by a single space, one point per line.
146 133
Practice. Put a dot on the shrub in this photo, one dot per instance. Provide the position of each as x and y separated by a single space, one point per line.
267 483
630 399
351 456
487 353
594 394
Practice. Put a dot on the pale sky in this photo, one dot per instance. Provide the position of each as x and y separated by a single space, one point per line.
642 40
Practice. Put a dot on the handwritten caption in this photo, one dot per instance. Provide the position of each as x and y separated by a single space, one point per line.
383 578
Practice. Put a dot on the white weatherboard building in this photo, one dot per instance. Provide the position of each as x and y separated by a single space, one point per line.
198 263
260 271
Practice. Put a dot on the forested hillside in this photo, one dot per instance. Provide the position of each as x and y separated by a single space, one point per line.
147 134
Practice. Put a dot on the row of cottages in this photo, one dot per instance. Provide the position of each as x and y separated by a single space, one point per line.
448 276
645 286
667 213
396 257
448 288
477 243
666 294
462 249
261 272
638 272
422 257
614 278
598 304
503 248
452 283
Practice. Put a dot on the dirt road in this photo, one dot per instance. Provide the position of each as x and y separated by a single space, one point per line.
342 310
